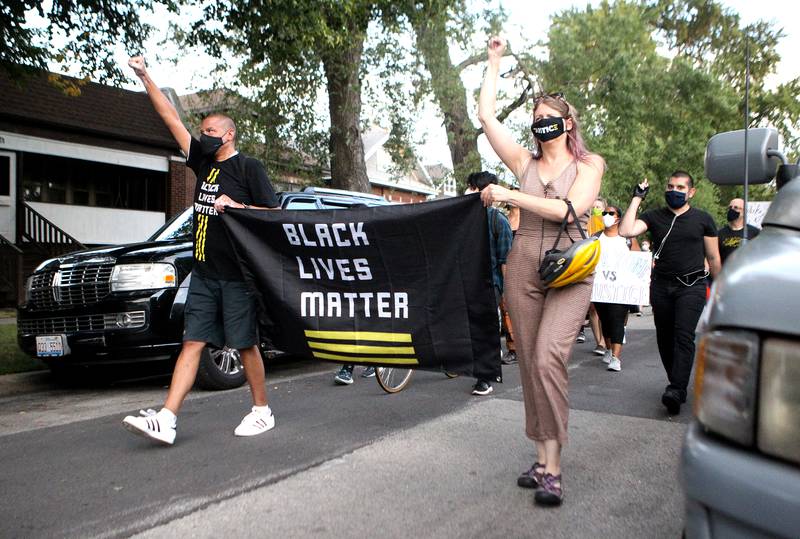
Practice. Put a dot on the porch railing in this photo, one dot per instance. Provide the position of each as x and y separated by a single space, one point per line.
39 230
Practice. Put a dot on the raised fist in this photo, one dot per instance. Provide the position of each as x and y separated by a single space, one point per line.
496 48
641 189
138 65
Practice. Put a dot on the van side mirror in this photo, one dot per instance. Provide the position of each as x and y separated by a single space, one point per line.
724 161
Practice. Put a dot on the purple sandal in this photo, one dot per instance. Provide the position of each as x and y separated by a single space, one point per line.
549 492
531 478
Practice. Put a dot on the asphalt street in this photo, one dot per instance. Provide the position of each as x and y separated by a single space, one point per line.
431 461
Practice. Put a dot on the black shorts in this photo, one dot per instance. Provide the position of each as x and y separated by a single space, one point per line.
221 313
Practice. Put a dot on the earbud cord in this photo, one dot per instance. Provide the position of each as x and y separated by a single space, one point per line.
658 252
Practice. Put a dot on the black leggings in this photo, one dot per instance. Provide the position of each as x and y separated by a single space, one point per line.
612 320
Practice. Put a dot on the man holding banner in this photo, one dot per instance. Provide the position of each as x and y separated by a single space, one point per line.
220 307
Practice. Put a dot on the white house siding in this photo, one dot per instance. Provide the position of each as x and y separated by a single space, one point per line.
101 225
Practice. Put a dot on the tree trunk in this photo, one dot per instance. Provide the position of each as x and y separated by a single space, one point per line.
348 168
450 95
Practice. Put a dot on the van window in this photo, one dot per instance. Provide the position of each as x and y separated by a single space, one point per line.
301 203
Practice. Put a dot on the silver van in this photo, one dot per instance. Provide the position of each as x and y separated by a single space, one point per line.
741 455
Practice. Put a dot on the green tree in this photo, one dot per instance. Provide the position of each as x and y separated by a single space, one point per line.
649 114
291 50
438 25
88 29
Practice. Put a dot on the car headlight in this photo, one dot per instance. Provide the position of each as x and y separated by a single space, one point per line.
28 286
779 401
725 383
127 277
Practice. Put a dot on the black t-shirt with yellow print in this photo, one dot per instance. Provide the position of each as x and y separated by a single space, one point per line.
244 180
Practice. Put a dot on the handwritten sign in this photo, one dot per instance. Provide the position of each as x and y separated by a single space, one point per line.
623 278
756 212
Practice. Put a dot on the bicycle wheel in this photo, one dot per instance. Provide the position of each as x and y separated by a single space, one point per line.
392 379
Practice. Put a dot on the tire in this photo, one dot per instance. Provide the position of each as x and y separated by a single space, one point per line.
391 379
220 368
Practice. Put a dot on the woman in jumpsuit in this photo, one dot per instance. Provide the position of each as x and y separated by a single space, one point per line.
546 321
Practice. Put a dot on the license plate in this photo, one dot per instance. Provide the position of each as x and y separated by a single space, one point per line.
51 346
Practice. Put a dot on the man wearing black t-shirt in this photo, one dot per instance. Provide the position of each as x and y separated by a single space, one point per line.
731 235
682 239
220 309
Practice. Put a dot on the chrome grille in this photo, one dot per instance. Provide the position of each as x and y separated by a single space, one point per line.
74 324
77 285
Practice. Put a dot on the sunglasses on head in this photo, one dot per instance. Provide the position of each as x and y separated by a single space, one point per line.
609 213
556 95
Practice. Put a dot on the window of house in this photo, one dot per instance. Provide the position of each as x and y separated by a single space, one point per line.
5 176
61 180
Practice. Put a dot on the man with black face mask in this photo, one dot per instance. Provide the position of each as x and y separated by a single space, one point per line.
220 309
683 237
730 235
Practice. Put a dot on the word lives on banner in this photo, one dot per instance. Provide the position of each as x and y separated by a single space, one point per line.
623 278
398 285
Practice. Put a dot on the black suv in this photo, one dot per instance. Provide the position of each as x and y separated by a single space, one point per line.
124 303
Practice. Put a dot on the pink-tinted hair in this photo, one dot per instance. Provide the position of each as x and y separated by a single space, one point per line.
575 143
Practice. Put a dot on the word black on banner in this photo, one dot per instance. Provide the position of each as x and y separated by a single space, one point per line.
403 285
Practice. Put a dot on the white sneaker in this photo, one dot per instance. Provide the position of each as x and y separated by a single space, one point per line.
607 357
254 423
157 426
599 350
614 365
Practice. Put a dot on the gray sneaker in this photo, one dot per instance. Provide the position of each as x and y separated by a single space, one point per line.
607 355
614 365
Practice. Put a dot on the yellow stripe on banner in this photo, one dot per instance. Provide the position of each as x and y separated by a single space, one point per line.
212 175
362 349
384 360
359 336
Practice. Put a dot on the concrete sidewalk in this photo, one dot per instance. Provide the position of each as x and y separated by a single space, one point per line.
456 477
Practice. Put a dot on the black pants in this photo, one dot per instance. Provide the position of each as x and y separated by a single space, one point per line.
676 310
612 320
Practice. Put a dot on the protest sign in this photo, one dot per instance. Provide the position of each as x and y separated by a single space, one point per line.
401 285
623 278
756 212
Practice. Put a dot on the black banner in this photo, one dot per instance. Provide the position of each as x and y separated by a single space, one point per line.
402 285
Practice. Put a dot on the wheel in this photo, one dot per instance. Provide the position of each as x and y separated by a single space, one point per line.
220 368
450 374
392 379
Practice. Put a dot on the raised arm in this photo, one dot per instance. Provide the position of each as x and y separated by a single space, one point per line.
510 152
163 107
630 226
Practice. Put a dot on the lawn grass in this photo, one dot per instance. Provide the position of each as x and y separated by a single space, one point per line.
12 359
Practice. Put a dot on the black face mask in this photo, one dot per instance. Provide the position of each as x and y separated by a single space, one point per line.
675 199
733 215
548 128
210 145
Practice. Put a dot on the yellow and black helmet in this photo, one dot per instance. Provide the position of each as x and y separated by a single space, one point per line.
560 268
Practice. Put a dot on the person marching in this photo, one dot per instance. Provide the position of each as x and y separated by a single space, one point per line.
730 236
220 308
560 171
612 315
683 239
500 238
